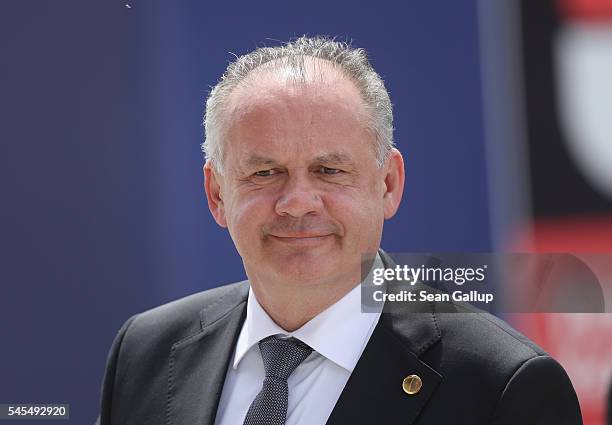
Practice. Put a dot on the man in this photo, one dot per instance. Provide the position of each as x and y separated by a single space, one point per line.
302 171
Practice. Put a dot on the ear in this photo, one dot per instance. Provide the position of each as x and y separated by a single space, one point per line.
212 187
394 183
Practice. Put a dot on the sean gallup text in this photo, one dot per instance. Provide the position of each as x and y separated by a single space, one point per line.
424 296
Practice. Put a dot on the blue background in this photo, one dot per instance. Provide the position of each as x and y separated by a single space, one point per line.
102 209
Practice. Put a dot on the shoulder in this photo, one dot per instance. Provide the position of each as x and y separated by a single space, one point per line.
490 368
168 323
534 387
487 332
484 355
139 356
483 341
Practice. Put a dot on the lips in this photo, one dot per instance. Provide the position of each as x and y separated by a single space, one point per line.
301 239
301 232
299 235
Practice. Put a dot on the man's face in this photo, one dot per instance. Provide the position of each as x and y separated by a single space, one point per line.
301 192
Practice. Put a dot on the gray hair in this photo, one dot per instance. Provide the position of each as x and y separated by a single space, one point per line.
351 62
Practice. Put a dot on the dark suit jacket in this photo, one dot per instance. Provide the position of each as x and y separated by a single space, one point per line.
168 365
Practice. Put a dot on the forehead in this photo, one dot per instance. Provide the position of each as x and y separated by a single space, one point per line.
314 84
274 112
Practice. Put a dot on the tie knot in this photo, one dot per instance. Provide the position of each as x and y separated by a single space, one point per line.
282 355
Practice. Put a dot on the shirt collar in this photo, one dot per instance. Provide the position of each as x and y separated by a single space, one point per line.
339 333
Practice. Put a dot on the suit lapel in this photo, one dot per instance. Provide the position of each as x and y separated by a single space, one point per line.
198 364
392 354
374 394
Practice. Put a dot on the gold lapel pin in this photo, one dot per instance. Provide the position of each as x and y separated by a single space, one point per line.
412 384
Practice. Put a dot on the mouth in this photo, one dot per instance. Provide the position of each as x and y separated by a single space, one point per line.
301 240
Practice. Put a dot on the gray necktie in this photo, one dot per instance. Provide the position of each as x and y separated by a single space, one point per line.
280 358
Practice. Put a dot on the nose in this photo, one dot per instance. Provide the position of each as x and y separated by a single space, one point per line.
299 197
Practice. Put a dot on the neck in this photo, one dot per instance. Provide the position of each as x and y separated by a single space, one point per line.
292 306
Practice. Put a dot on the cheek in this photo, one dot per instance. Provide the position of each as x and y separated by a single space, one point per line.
245 214
357 210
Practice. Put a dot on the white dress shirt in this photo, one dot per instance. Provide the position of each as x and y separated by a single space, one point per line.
337 335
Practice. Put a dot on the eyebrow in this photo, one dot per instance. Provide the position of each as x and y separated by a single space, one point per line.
335 158
257 160
329 158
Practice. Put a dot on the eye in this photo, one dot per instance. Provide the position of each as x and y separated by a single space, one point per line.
330 171
266 173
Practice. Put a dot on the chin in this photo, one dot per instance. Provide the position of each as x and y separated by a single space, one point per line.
306 268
